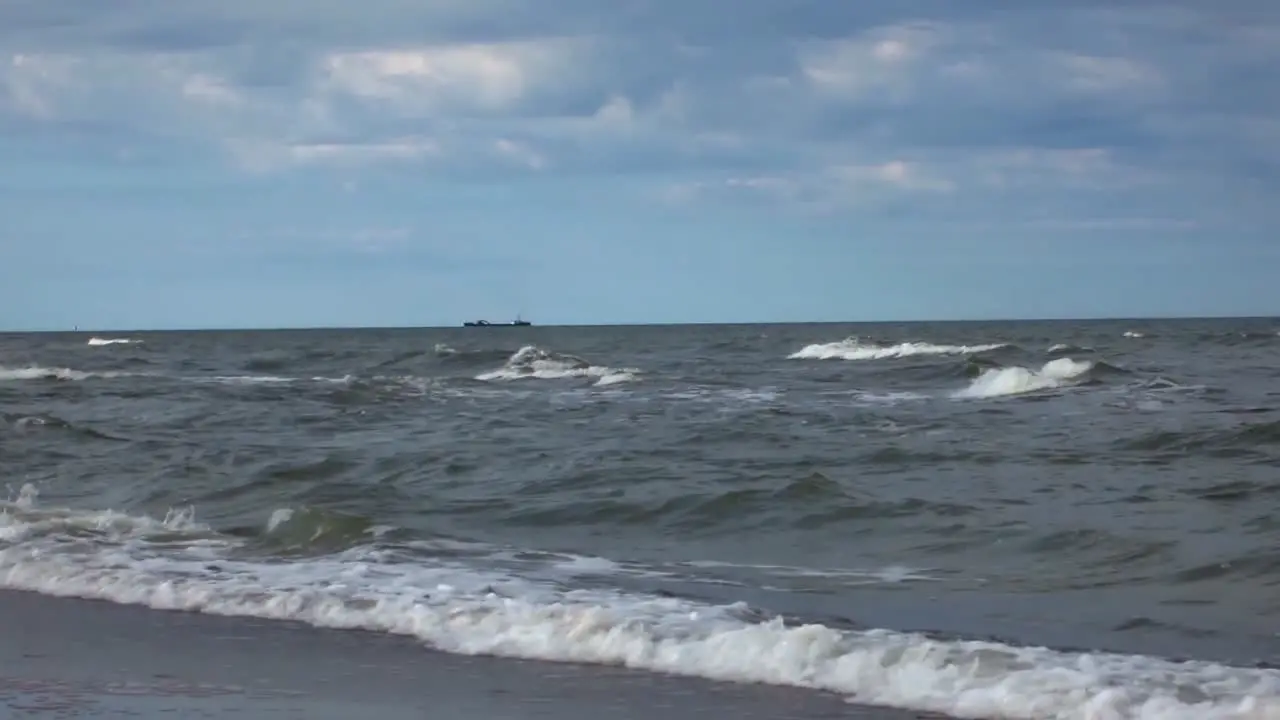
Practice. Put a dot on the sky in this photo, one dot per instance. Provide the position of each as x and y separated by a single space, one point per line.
291 163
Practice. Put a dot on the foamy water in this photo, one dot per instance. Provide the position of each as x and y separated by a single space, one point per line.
532 362
43 373
854 349
178 564
1000 382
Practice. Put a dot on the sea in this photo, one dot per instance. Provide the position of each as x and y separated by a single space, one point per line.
1066 519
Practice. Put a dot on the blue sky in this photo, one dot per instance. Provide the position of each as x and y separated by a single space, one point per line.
395 162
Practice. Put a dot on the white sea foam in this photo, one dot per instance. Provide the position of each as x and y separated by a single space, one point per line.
887 398
99 342
31 421
267 379
750 397
1064 348
888 575
616 378
19 520
999 382
166 565
35 372
532 362
854 349
587 565
1134 334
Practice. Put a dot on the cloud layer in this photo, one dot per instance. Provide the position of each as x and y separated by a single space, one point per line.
934 118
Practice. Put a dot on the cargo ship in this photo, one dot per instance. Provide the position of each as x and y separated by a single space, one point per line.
485 323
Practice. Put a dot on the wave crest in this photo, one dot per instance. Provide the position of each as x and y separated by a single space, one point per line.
178 565
1001 382
311 530
35 372
856 349
471 612
532 362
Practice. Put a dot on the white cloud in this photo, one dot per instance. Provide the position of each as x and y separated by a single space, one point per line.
210 89
519 153
896 174
814 113
1097 74
32 82
823 189
769 187
167 93
266 156
617 113
399 149
1082 167
882 60
468 78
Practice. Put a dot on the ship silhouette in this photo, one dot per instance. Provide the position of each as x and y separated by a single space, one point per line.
518 322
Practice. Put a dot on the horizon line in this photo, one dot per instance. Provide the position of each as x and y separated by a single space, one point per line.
459 326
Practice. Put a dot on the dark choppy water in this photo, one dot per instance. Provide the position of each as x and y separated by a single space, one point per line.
1016 520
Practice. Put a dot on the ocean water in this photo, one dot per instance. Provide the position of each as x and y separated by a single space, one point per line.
988 520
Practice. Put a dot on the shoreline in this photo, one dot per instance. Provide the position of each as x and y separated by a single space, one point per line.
70 657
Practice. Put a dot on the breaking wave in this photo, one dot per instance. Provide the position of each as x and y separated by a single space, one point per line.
100 342
178 564
1004 381
856 349
532 362
1067 348
311 530
450 357
35 372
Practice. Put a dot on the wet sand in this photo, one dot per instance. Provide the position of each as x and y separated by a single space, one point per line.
64 658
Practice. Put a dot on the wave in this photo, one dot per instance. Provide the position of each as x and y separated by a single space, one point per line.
893 574
278 363
855 349
101 342
268 362
267 379
1005 381
531 361
52 423
1250 439
1066 348
1253 565
315 530
371 387
811 502
451 357
35 372
1241 337
177 564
